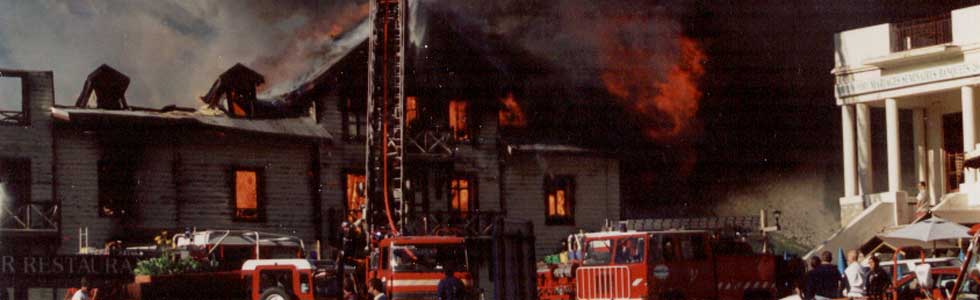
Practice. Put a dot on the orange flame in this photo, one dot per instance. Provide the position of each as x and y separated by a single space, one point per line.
511 114
668 102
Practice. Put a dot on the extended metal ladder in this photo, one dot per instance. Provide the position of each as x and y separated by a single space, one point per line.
385 115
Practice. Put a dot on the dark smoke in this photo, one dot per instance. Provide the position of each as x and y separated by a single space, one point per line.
173 51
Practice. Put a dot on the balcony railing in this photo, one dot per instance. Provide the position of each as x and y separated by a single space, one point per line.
431 141
35 217
474 223
11 117
921 33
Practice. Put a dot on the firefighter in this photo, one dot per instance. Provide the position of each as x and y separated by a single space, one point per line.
450 287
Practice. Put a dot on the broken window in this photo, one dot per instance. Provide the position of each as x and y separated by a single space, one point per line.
411 110
511 115
354 114
462 199
13 104
458 120
116 186
354 195
15 191
247 194
559 200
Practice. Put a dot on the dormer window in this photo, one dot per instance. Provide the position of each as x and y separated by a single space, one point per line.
109 87
234 92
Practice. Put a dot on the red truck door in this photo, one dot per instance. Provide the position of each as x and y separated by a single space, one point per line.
681 267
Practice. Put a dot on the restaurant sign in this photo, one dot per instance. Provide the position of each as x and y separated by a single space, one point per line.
905 79
67 265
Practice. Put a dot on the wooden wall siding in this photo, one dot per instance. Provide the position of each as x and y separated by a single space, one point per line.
33 141
335 159
78 190
596 193
481 161
206 191
183 181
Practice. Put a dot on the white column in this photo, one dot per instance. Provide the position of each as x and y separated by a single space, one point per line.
919 140
934 141
969 124
850 167
894 151
864 163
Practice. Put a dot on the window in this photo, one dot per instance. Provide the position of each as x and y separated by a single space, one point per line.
598 252
630 250
354 195
458 120
692 248
411 110
15 189
247 194
354 114
510 114
116 186
462 199
559 200
13 104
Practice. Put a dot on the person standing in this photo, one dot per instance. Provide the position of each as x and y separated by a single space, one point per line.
349 291
856 276
450 287
922 199
823 281
878 280
82 292
808 287
376 288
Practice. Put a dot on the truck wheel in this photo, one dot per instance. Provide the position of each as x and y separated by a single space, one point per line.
274 294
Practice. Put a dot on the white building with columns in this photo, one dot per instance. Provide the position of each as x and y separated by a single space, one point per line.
923 75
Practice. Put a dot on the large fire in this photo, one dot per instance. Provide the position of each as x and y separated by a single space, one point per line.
668 102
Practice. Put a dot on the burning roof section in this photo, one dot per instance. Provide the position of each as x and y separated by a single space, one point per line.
230 104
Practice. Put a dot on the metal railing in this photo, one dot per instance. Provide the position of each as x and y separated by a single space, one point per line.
29 217
431 141
607 282
921 33
11 117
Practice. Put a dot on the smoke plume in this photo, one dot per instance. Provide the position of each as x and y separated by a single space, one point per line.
173 51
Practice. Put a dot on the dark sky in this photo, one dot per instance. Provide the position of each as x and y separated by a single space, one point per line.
768 104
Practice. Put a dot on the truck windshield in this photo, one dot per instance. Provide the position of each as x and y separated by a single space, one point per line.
598 252
428 258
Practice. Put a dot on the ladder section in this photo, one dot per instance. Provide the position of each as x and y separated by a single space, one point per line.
385 117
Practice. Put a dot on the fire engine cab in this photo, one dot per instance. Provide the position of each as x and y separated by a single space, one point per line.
674 264
411 266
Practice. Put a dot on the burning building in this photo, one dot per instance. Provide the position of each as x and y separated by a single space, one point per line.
75 178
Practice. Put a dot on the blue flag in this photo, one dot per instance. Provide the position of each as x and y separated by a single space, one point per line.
841 262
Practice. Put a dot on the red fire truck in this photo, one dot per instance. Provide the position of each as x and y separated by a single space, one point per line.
411 266
674 264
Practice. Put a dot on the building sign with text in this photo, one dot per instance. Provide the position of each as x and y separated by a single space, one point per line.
67 265
905 79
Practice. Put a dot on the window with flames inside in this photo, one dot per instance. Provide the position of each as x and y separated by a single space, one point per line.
462 199
559 200
15 189
247 195
458 121
354 195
